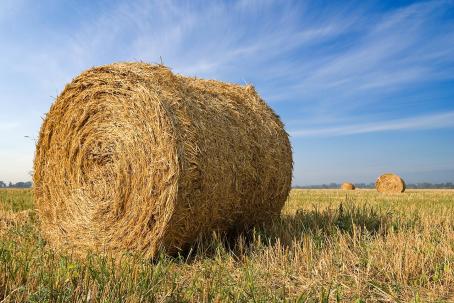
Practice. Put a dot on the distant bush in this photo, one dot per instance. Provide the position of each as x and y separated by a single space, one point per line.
16 185
424 185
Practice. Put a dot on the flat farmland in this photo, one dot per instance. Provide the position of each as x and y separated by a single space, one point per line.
327 246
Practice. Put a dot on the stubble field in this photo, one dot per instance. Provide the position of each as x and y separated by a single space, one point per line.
328 246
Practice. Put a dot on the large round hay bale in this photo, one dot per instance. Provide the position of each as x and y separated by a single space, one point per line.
347 186
132 157
390 183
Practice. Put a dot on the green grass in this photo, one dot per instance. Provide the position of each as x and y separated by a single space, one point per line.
15 200
328 246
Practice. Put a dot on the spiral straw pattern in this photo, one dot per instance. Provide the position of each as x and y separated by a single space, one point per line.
390 183
133 158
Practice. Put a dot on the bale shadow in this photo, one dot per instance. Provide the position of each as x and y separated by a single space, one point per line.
321 224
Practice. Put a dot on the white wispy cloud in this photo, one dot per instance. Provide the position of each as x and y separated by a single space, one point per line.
433 121
343 65
390 53
256 41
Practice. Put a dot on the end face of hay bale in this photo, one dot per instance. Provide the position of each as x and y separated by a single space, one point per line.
390 183
132 157
348 186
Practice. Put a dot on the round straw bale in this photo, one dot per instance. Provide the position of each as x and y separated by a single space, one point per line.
132 157
347 186
390 183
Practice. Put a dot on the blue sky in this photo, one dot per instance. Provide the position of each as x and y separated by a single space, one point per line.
363 87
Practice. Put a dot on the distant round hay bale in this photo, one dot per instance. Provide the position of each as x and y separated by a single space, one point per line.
347 186
132 157
390 183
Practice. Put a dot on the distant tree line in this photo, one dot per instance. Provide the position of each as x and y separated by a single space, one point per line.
424 185
16 185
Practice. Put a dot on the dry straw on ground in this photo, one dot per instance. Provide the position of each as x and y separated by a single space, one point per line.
347 186
132 157
390 183
8 218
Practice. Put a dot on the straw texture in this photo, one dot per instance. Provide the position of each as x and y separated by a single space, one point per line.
347 186
390 183
132 157
9 219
